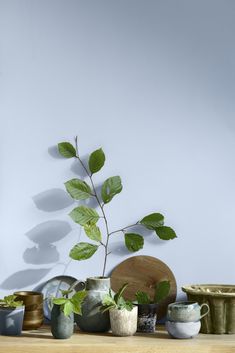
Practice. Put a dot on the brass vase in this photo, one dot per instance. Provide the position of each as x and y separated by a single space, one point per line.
33 316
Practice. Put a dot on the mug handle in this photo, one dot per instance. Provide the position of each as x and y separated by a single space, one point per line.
208 309
82 283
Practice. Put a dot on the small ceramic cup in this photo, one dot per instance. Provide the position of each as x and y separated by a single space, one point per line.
186 311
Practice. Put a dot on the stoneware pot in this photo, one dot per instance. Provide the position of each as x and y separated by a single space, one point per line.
11 321
183 329
92 320
33 302
146 318
186 311
123 322
62 326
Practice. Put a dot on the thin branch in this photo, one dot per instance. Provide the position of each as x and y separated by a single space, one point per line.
124 228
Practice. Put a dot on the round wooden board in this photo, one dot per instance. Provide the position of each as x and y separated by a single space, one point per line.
142 273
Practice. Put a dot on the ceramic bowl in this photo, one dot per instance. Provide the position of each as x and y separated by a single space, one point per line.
183 329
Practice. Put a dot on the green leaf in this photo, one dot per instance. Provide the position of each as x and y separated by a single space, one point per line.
142 297
65 292
111 187
118 296
162 290
66 150
165 233
82 251
128 305
107 300
77 301
84 215
59 301
153 221
133 241
68 308
96 160
93 232
78 189
79 296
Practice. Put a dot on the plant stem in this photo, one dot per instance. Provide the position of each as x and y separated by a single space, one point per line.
124 228
100 205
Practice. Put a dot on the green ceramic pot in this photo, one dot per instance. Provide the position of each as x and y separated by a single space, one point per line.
62 326
92 320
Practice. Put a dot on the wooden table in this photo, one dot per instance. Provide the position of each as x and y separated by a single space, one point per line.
43 342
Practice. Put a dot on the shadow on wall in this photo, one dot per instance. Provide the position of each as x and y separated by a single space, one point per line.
44 235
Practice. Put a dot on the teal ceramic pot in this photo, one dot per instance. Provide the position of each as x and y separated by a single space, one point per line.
62 326
11 321
92 320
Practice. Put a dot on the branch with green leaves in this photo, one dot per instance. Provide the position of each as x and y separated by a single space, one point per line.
116 301
70 305
162 289
88 217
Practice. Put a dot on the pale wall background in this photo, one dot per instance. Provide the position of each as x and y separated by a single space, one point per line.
153 83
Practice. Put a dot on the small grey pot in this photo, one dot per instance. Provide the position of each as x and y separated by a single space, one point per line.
123 322
11 321
62 326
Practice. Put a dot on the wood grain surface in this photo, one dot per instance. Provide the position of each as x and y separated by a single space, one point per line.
142 273
42 341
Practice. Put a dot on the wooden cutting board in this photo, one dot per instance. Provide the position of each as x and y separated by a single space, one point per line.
142 273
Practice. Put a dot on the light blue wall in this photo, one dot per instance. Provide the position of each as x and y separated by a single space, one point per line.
153 83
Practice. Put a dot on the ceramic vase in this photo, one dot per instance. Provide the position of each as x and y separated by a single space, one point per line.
92 320
11 321
33 315
147 318
123 322
62 326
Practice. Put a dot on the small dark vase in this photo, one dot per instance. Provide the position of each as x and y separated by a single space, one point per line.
147 318
62 326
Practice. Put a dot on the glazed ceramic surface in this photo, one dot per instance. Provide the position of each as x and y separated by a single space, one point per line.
186 311
92 320
11 321
62 326
123 322
221 300
147 318
33 302
183 329
52 289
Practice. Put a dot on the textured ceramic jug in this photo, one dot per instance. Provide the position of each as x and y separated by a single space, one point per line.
61 326
92 320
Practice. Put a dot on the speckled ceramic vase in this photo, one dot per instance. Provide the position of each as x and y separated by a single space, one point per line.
92 320
123 322
147 318
62 326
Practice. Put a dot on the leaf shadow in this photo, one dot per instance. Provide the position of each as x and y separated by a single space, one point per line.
52 200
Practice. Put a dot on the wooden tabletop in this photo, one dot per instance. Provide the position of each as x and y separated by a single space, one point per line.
43 342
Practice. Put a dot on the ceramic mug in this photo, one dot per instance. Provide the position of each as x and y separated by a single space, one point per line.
186 311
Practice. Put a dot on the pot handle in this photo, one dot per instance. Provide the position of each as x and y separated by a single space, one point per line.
208 309
80 282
